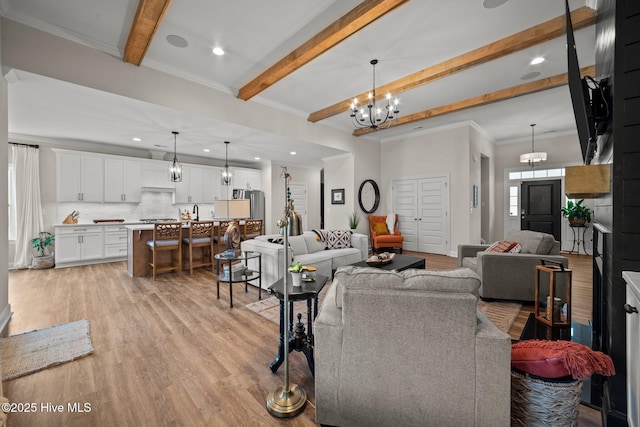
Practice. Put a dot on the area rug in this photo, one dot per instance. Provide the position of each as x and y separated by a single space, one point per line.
29 352
502 314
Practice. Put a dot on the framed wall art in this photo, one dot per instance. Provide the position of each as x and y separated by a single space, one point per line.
337 196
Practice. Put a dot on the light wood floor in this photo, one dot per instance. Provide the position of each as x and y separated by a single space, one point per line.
165 352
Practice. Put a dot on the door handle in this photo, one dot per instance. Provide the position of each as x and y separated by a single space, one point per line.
630 309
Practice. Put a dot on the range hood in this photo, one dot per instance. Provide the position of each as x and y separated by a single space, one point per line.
158 189
587 181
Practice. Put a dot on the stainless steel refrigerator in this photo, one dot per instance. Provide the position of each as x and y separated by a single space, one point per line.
256 198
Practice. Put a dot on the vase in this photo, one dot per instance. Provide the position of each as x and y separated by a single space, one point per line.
296 279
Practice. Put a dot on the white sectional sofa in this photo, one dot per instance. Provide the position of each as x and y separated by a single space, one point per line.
308 250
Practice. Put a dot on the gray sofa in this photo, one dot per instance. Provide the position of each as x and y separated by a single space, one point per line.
409 349
306 250
511 276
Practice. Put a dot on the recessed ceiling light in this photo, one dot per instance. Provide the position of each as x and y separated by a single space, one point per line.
137 139
293 153
536 61
490 4
218 51
177 41
256 158
206 150
531 75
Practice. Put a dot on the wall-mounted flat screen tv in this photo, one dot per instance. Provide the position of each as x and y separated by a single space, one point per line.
580 97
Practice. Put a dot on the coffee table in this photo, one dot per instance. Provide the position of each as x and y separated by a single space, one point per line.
399 263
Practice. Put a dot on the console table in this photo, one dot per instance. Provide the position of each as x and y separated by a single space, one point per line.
235 257
299 339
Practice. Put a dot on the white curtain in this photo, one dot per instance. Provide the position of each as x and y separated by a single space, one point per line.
28 205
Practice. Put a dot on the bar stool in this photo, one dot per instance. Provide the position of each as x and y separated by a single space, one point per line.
167 236
219 238
200 236
252 228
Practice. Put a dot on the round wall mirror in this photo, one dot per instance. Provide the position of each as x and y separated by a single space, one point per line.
369 196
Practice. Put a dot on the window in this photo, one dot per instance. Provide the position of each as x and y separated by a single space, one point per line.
12 202
513 200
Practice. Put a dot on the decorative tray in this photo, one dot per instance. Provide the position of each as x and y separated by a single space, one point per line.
96 221
378 260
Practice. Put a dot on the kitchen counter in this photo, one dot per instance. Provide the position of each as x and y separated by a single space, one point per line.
93 224
138 252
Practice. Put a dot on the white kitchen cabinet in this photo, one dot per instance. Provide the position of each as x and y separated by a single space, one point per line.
115 241
122 180
155 174
198 185
77 244
246 179
80 177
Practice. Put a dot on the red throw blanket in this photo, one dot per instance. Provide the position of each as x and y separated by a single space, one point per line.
555 359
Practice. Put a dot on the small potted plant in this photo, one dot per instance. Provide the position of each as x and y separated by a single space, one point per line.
577 214
354 220
296 273
43 258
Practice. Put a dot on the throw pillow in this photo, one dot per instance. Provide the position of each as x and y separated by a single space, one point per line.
280 241
338 239
321 235
380 228
504 246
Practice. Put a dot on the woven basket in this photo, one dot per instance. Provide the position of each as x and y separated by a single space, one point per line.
539 401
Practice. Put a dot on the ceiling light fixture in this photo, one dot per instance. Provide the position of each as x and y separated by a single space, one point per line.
218 51
293 153
137 139
175 170
206 150
226 173
534 156
373 117
536 61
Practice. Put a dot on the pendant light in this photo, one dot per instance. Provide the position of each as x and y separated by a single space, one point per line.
175 170
534 157
226 173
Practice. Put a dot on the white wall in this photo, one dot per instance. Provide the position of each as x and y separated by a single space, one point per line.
339 174
438 153
480 145
5 307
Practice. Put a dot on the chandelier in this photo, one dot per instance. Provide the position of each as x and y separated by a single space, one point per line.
534 157
226 173
374 116
175 170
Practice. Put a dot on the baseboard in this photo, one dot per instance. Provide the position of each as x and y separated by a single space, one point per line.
5 317
453 254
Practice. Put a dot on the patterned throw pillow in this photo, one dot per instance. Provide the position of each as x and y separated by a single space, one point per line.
338 239
380 228
504 246
280 241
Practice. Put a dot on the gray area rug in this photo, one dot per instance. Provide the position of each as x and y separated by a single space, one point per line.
502 314
30 352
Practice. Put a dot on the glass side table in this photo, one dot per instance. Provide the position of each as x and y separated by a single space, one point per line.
231 260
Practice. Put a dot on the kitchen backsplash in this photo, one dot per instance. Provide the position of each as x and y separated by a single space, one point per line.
152 205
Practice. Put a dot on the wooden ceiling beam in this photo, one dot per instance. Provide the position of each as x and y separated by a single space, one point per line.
356 19
489 98
532 36
144 26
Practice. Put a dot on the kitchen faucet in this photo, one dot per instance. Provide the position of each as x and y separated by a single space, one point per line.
196 210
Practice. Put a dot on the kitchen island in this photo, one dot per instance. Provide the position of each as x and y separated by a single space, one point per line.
138 252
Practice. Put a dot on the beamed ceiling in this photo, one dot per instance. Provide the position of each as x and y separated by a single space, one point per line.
446 61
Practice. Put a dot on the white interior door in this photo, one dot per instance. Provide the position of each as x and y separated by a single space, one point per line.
433 215
422 206
299 197
405 204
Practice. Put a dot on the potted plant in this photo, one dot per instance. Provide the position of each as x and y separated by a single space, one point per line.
43 257
354 220
577 214
296 273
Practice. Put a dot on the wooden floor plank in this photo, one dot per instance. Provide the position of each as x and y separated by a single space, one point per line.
168 352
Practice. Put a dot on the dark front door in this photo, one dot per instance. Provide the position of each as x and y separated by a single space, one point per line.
541 207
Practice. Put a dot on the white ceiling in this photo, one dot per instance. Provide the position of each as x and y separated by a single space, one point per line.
255 34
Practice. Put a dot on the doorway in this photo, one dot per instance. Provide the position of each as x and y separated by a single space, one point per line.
540 207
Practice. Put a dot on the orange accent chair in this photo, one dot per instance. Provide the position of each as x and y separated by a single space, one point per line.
380 237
